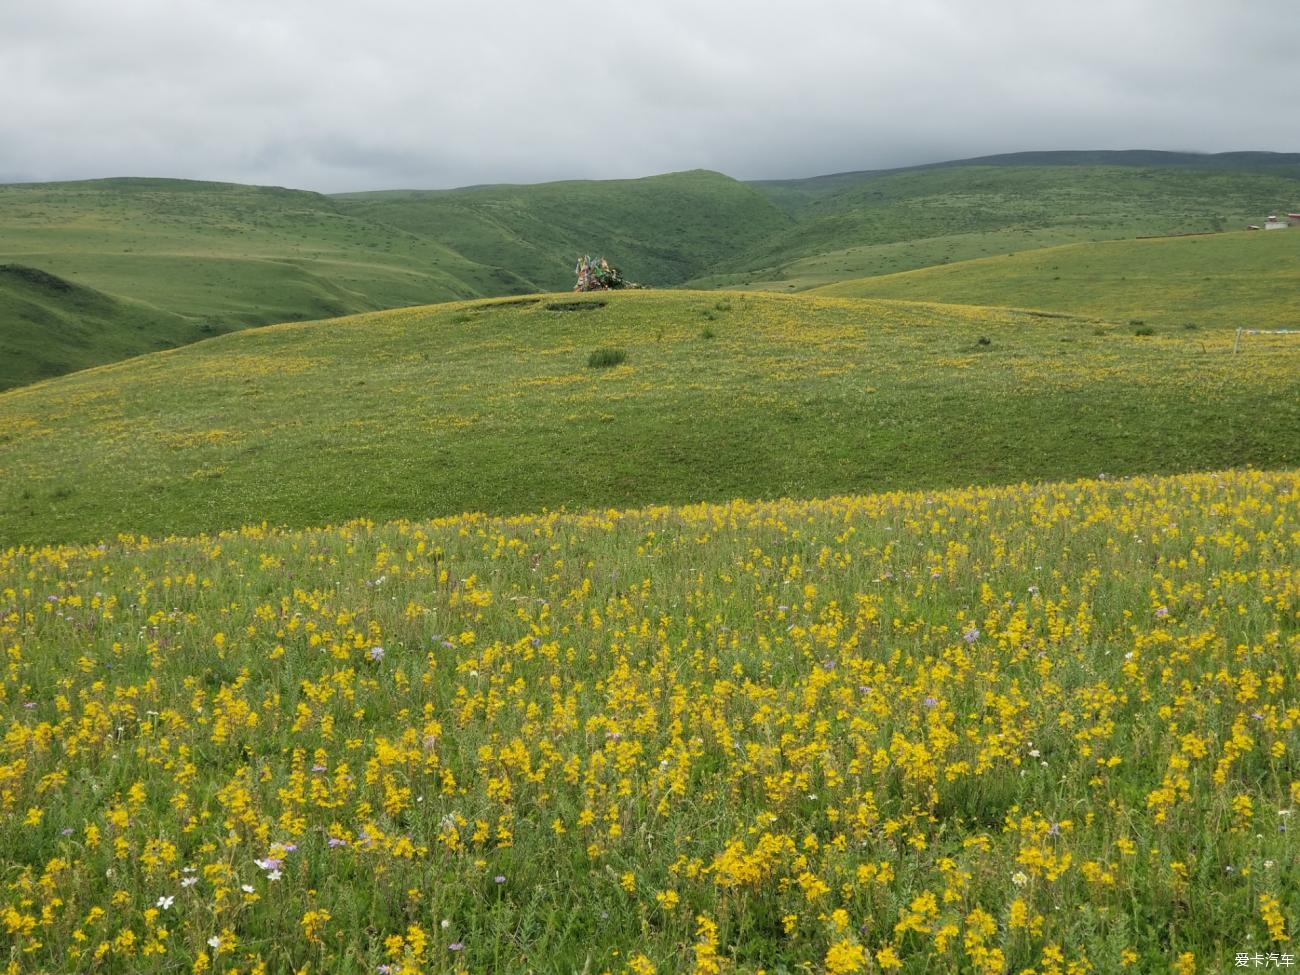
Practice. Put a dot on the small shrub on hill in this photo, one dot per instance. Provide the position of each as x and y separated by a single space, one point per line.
606 357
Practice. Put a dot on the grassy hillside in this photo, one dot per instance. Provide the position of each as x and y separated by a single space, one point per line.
52 326
493 406
222 256
797 194
878 223
1047 728
1246 279
662 229
211 257
793 194
226 254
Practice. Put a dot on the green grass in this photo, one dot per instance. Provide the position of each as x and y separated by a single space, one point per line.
794 194
52 326
1047 727
491 406
605 358
211 257
1246 279
660 230
223 256
879 223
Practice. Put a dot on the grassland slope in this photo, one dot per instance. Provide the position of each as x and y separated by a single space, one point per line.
213 257
52 326
227 254
878 223
663 229
1245 279
224 256
492 406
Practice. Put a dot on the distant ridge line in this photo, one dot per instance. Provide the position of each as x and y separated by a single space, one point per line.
1235 159
1076 157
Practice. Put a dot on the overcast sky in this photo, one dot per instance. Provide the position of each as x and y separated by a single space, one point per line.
336 95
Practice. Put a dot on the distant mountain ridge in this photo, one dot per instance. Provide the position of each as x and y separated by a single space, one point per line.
1252 159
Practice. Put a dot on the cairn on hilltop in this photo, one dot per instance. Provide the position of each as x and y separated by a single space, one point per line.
599 275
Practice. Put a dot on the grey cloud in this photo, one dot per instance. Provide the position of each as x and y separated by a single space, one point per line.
335 94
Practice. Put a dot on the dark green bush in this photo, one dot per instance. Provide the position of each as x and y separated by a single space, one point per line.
604 358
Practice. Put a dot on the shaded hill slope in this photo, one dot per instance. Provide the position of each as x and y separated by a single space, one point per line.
52 326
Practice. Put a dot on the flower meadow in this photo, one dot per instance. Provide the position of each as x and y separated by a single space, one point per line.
1048 729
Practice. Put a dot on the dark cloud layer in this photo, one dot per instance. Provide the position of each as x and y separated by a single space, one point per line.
336 94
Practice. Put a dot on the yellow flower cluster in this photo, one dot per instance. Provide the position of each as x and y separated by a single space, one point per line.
1050 728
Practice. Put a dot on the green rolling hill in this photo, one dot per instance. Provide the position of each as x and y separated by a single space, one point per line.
866 224
663 229
205 258
1245 279
208 258
493 406
52 326
211 257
